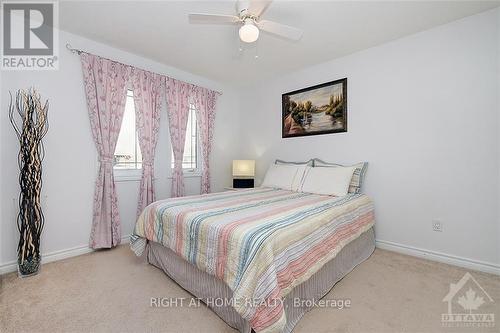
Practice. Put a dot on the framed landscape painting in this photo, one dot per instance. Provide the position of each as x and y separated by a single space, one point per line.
320 109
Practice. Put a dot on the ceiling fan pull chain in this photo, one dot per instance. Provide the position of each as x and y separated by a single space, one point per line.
240 43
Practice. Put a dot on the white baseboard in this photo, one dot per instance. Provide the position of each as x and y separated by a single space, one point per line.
382 244
55 256
439 257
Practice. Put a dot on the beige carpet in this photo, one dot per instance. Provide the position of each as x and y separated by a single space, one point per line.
110 291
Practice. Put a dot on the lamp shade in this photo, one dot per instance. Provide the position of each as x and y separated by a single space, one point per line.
243 168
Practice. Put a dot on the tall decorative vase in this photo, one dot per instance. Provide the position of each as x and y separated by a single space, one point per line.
28 116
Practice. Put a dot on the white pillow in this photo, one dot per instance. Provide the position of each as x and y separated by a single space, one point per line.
328 181
287 177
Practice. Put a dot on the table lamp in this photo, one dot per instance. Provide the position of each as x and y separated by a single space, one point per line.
243 173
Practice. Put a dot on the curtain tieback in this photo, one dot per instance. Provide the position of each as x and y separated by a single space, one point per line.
107 160
148 163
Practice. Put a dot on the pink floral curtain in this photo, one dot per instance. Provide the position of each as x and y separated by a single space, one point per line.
205 101
106 91
146 87
177 93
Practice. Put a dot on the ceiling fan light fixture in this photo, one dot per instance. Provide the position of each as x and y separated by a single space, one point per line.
248 17
249 32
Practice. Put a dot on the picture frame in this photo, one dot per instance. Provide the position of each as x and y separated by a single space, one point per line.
315 110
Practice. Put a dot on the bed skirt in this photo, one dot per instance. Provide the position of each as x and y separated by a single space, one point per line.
205 286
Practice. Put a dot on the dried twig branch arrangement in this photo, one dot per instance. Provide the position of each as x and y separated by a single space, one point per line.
28 116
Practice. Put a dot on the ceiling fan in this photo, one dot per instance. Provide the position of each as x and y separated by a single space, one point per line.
249 15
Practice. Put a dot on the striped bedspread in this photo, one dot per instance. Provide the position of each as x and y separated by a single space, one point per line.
261 242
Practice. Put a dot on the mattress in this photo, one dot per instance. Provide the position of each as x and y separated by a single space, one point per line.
262 243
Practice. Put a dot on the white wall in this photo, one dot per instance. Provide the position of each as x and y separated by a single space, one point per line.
70 167
424 112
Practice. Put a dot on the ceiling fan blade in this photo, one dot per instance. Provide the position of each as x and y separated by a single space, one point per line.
212 18
280 29
258 7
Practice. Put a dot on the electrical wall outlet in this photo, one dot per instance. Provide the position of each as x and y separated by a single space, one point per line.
437 225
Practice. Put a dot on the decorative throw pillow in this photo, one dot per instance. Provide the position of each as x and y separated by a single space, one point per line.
286 177
357 177
328 181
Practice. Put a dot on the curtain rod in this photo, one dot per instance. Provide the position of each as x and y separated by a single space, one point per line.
78 52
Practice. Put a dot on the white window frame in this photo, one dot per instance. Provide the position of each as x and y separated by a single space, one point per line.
123 175
127 175
196 172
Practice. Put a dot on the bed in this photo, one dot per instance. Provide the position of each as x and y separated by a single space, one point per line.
259 249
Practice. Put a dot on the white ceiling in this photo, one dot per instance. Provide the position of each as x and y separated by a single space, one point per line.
160 30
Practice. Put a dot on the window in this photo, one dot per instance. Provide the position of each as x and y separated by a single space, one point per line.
190 158
128 153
